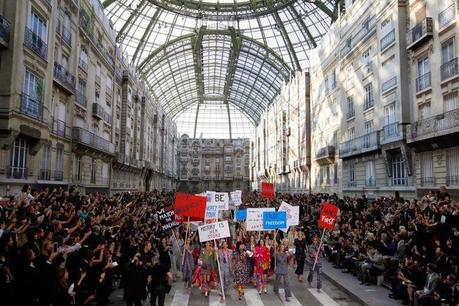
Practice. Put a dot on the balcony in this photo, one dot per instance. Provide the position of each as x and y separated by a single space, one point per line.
31 107
59 128
20 173
83 64
86 23
452 180
58 175
446 16
449 70
45 174
368 103
436 125
325 155
5 30
92 141
399 181
350 113
419 33
81 99
391 132
34 42
389 85
370 182
98 79
360 145
387 40
423 82
67 35
64 77
427 181
98 110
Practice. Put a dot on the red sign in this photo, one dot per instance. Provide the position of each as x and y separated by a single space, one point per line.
267 190
181 219
328 216
190 205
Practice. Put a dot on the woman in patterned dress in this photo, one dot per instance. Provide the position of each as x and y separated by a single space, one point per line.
208 257
262 260
241 268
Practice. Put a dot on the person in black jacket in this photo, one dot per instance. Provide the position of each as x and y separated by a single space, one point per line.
136 282
62 297
159 283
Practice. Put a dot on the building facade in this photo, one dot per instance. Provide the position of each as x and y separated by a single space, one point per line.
63 91
280 147
434 82
213 164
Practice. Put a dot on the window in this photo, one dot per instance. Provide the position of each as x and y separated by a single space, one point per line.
84 58
19 159
368 99
453 167
426 169
447 51
366 56
352 182
399 175
77 168
423 80
39 26
350 107
58 176
32 95
93 171
46 162
424 111
370 173
368 125
390 121
105 173
451 101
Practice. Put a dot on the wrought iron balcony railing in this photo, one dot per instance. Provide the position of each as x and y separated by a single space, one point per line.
33 41
362 144
17 172
5 31
389 84
391 131
419 32
81 99
423 82
85 137
447 15
31 107
58 175
45 174
387 40
449 69
435 124
64 77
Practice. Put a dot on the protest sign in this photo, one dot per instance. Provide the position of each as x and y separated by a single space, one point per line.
328 216
267 190
211 213
241 214
221 200
213 231
293 213
236 197
274 219
189 205
255 218
166 218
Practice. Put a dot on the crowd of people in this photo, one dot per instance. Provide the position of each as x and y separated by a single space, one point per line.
65 248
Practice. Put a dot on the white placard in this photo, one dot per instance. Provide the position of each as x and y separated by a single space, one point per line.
221 200
211 215
254 221
213 231
236 197
293 214
210 196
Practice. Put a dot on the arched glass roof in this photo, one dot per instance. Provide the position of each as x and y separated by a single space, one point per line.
231 52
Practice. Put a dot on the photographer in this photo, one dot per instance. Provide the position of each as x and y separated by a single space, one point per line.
136 281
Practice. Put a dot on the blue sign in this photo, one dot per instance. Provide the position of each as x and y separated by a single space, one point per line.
241 214
274 220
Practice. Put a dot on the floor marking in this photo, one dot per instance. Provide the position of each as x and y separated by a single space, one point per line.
252 297
214 299
293 300
181 297
322 297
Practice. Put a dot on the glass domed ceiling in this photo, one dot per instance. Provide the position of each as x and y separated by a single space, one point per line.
237 53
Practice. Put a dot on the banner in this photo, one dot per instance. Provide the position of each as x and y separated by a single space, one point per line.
236 197
213 231
211 213
210 196
267 190
182 219
241 214
293 213
255 218
328 216
274 219
221 200
166 218
189 205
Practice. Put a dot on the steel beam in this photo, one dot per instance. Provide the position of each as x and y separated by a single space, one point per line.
287 41
308 36
129 22
146 34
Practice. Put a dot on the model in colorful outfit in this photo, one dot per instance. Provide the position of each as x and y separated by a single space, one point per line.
241 268
224 257
188 265
208 268
262 261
